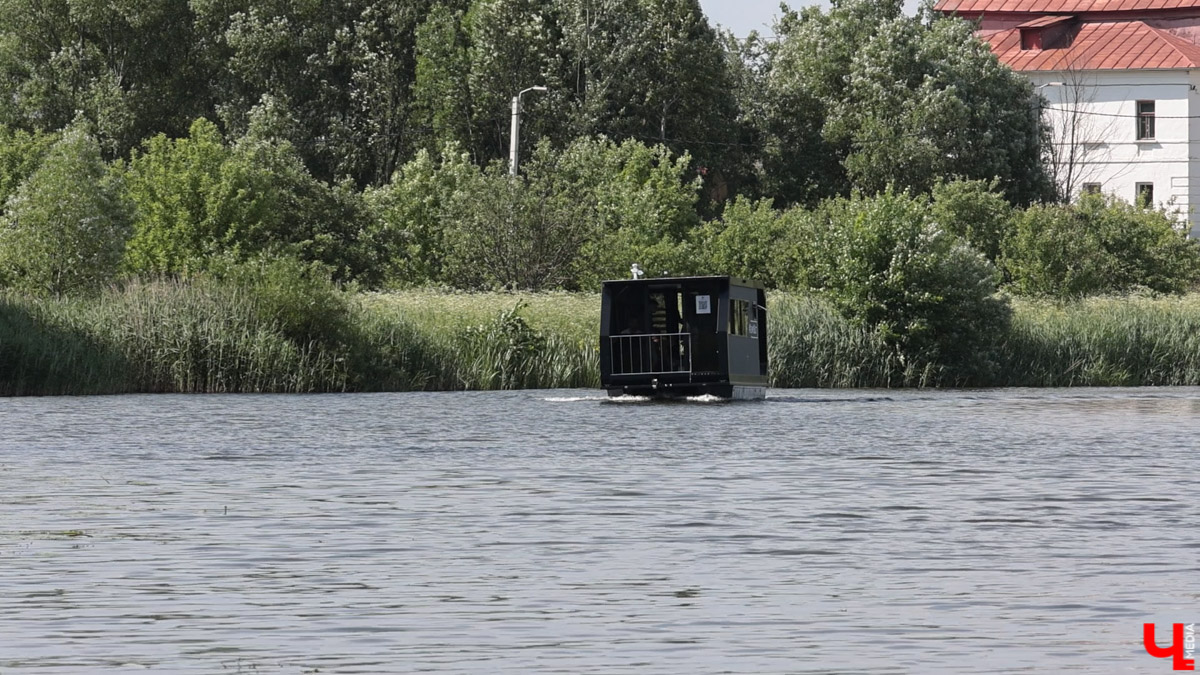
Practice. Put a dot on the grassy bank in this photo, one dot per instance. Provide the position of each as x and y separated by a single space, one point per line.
279 335
1128 341
269 334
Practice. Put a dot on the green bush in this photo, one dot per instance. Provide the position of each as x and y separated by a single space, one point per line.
1100 245
755 241
298 298
410 214
183 207
744 240
64 229
21 153
976 211
932 298
197 198
645 202
516 232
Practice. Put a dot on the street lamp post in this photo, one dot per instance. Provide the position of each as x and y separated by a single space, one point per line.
514 139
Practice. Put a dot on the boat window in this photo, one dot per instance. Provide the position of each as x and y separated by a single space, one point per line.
739 317
666 308
629 313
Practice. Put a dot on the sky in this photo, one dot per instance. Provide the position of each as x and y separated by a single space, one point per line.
743 16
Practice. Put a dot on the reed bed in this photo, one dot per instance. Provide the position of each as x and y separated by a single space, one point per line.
206 335
448 341
1123 341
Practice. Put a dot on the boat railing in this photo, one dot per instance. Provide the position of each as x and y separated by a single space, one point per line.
651 354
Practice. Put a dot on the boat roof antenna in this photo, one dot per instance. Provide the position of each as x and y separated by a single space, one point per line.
636 270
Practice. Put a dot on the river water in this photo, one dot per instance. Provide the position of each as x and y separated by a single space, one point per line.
1005 531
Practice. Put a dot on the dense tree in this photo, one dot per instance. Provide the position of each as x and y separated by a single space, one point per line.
976 211
645 200
575 217
442 103
197 198
652 70
65 227
21 154
131 67
336 76
516 44
753 239
411 213
893 100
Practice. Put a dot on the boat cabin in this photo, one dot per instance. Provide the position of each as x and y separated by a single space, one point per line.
684 336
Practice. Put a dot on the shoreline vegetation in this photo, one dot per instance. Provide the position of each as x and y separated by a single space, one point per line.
221 216
264 334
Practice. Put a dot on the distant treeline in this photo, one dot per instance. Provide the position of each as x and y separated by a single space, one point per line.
859 96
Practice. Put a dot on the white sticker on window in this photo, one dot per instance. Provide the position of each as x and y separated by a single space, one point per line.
703 304
753 328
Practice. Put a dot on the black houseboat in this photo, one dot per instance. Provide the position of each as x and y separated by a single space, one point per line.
684 336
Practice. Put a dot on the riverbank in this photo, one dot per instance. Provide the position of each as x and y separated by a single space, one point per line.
268 336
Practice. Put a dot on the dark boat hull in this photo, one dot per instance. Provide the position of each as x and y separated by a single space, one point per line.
733 392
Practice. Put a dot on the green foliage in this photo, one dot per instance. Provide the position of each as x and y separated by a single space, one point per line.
65 228
516 232
515 44
131 68
20 155
653 71
886 265
196 198
183 209
863 97
644 202
625 69
339 74
298 298
976 211
441 91
1099 245
411 213
747 242
501 353
575 217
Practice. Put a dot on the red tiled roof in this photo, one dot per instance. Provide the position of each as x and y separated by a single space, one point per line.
1109 45
1046 21
1060 6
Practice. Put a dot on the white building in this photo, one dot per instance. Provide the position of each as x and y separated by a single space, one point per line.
1120 88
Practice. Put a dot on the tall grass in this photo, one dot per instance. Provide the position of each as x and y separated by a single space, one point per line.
282 331
1125 341
277 331
812 345
413 341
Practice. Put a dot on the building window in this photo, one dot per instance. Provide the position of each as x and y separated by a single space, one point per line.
1145 120
1144 194
1090 189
